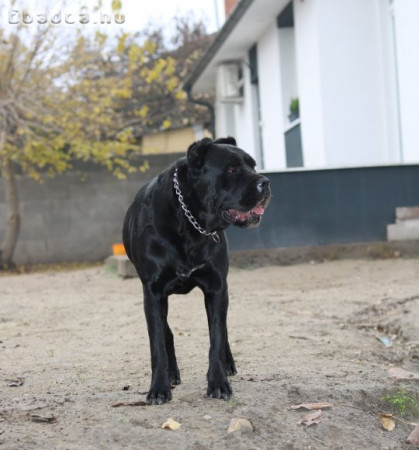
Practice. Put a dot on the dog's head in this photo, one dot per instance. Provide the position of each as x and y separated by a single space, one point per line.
224 180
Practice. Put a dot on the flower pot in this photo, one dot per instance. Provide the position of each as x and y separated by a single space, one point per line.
293 116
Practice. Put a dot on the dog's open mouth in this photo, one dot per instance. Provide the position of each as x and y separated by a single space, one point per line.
244 218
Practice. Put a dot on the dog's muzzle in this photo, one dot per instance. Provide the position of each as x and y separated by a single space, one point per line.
252 216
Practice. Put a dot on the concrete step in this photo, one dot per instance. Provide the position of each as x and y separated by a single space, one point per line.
404 230
122 266
407 213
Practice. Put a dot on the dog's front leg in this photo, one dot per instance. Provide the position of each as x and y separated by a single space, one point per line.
216 305
230 364
155 309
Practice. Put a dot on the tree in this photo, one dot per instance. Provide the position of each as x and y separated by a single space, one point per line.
85 98
178 54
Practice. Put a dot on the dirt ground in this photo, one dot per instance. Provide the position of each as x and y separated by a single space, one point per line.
74 344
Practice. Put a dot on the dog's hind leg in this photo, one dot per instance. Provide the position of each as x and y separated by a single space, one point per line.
174 374
155 308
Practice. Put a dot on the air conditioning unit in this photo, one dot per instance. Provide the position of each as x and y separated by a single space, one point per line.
231 82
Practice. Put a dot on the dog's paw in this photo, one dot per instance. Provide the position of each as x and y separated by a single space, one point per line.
157 396
174 378
221 390
231 368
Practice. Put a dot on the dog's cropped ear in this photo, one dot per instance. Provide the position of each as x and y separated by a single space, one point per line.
196 152
227 140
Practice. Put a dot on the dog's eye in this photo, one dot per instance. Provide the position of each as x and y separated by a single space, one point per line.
232 169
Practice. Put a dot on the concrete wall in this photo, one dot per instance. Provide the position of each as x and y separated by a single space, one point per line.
75 216
67 219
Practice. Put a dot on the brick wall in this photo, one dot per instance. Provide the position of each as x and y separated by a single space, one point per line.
229 5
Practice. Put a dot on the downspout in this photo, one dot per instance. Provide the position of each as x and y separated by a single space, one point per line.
208 105
241 7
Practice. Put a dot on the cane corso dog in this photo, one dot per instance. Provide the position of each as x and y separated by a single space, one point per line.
174 235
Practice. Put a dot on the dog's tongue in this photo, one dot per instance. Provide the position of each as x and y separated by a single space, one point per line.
259 210
239 215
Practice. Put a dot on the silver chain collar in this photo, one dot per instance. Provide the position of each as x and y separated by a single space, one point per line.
215 236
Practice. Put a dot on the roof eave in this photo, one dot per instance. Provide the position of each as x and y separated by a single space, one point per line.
219 40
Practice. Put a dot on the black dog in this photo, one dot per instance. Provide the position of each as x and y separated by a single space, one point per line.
173 234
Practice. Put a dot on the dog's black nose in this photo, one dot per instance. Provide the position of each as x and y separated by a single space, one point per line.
262 184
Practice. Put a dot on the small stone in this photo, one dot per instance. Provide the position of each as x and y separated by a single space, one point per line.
413 437
239 424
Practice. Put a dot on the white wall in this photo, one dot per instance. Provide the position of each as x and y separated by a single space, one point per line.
288 66
310 85
245 126
352 86
272 115
346 82
392 148
221 122
407 47
236 119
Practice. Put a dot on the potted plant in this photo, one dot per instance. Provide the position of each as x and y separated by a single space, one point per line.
294 110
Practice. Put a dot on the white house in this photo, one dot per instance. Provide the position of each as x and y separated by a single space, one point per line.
352 64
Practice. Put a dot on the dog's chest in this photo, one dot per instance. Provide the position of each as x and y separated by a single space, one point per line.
186 278
190 260
186 272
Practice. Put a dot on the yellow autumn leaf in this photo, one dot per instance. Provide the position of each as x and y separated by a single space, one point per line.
171 424
143 168
122 40
134 53
180 95
119 174
170 66
116 5
100 38
171 84
143 111
123 93
149 46
166 124
156 71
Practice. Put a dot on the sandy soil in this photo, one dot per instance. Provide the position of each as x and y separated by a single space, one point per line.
70 342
